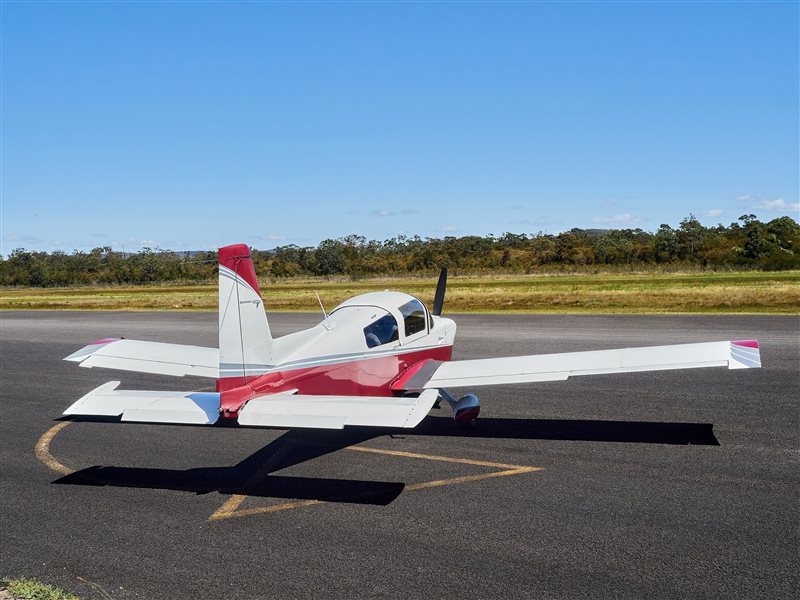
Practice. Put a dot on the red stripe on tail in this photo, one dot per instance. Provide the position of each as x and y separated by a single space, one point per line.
236 257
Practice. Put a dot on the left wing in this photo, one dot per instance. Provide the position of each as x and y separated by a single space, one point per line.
556 367
271 410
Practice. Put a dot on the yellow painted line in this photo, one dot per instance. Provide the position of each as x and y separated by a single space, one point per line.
230 508
219 514
43 449
470 478
463 461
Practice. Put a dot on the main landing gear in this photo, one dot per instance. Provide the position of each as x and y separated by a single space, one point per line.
465 410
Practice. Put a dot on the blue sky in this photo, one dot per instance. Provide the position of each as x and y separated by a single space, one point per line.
191 125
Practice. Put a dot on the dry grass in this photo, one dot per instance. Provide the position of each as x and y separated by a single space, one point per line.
751 292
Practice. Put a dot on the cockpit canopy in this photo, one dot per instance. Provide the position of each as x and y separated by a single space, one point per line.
396 308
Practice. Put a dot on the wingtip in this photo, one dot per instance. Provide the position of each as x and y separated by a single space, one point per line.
89 349
745 354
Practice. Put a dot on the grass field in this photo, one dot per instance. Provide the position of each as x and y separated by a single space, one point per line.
749 292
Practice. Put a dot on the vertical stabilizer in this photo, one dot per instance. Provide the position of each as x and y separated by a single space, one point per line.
245 342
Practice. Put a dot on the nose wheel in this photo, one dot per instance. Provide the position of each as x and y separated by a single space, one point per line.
465 410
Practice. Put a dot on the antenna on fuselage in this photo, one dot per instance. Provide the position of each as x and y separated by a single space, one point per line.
320 305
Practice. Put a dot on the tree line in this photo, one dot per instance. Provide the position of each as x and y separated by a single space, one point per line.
745 244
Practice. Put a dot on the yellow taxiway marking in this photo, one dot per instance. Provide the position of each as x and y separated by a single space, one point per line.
43 449
230 508
469 478
463 461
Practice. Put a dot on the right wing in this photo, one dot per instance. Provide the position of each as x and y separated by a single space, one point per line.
558 367
149 357
271 410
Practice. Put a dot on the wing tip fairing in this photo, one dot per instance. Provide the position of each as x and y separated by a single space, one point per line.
745 354
89 349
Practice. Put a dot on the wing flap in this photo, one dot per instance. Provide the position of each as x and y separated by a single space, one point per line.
189 408
334 412
558 367
149 357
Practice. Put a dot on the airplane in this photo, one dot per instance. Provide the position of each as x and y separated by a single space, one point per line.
378 359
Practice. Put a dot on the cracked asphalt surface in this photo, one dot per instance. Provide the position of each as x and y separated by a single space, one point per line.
679 484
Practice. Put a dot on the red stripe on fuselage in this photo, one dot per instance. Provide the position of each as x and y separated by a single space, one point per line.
370 376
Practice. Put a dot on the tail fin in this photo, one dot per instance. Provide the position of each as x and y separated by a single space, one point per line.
245 341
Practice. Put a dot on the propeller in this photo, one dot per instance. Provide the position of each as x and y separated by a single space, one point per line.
438 299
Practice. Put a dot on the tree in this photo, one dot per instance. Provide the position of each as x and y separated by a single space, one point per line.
785 233
330 257
758 242
690 237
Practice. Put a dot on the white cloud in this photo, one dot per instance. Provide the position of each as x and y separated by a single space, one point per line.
775 205
393 213
25 238
714 212
621 219
449 228
779 204
536 221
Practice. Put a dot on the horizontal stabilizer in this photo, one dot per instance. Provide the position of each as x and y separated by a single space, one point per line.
557 367
334 412
149 357
190 408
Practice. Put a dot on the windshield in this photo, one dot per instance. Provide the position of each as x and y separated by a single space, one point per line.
413 317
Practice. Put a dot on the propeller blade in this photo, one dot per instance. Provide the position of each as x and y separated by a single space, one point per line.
438 299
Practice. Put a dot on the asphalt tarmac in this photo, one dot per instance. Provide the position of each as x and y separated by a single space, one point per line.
673 484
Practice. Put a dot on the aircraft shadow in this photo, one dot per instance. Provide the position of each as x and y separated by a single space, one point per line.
640 432
254 476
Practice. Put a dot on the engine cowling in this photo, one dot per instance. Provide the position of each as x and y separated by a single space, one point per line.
466 409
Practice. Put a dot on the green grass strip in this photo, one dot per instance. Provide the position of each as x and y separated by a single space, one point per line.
30 589
638 293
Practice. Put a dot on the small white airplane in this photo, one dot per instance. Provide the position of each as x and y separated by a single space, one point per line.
378 359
